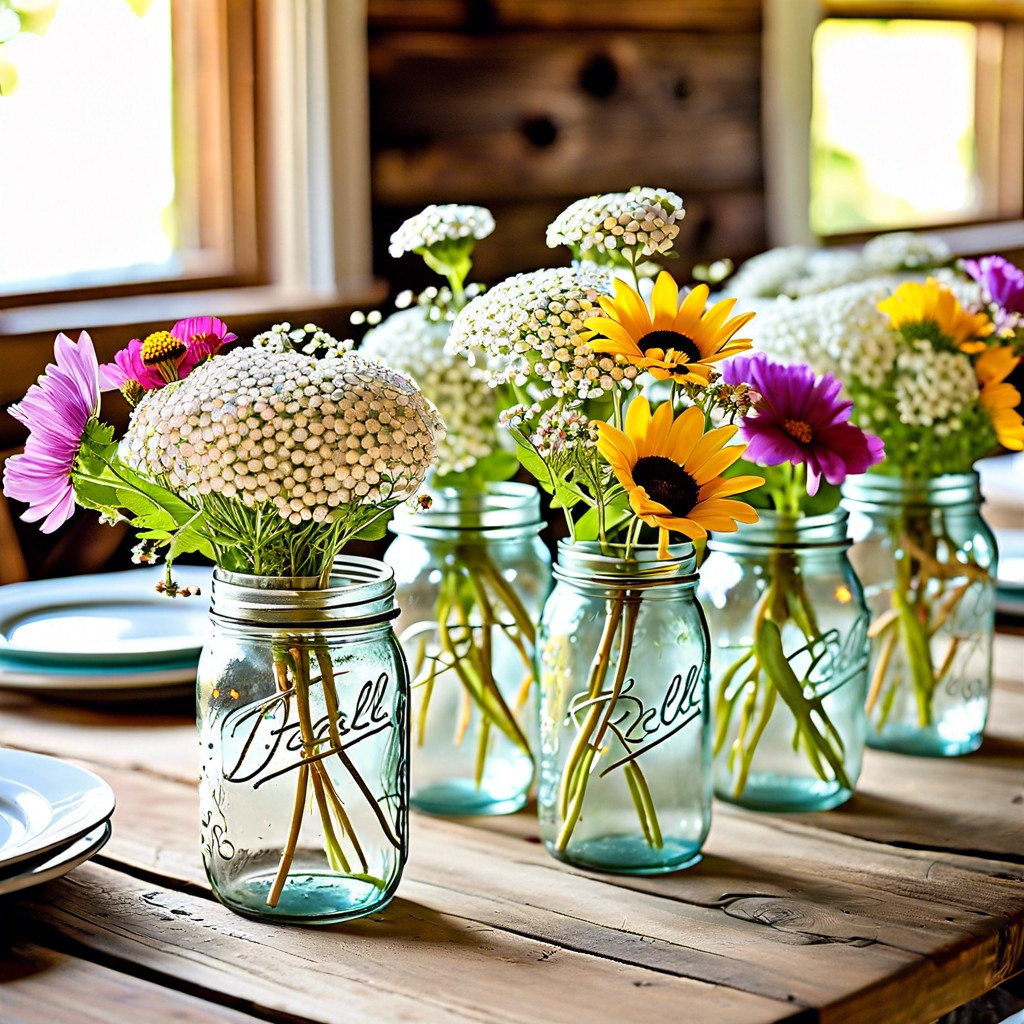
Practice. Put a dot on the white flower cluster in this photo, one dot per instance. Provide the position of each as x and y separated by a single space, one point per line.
434 224
413 343
556 432
904 250
839 332
642 220
306 435
530 328
933 388
798 270
310 339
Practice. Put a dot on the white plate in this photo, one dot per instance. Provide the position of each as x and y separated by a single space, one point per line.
105 619
63 679
46 803
60 863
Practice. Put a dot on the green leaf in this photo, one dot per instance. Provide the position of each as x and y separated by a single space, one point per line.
374 530
616 512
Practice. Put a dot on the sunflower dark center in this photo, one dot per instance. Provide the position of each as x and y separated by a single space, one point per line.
665 340
799 430
667 483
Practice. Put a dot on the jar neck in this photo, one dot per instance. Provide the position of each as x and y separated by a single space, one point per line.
776 532
589 563
360 595
873 490
493 511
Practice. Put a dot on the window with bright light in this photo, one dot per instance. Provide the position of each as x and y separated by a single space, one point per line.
120 155
895 141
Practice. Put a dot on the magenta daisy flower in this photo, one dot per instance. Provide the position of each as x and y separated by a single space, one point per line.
166 356
1002 282
56 412
801 419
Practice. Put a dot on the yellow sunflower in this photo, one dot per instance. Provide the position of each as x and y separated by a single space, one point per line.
914 303
999 398
671 471
670 340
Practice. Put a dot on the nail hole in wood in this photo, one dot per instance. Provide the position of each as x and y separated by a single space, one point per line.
541 131
600 77
682 90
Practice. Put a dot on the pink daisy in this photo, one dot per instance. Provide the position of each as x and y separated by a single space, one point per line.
166 356
56 411
801 419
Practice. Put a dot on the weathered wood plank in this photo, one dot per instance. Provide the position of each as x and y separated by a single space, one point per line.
785 912
695 15
38 984
410 963
537 116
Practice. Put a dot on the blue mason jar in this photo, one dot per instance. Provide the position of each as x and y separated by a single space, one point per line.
303 725
471 575
625 757
927 559
789 630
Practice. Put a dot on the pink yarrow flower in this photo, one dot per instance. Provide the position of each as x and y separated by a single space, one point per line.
166 356
56 411
801 419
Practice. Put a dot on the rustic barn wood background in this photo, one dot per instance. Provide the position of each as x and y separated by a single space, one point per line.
525 105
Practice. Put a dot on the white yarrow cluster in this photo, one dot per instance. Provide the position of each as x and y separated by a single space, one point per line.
434 224
933 387
643 220
305 435
414 344
839 332
769 273
530 329
904 250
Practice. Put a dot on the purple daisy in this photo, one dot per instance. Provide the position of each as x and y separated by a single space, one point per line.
56 412
176 352
1002 282
801 419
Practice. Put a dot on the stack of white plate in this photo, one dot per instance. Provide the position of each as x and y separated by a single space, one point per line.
53 817
105 636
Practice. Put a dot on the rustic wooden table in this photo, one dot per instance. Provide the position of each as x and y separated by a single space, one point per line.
898 907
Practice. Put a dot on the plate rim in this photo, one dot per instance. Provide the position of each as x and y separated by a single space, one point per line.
76 853
75 827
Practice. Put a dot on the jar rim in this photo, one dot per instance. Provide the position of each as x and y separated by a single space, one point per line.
604 565
947 490
361 593
504 505
774 530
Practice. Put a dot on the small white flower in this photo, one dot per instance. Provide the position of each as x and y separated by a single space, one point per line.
278 427
530 330
643 221
905 250
436 224
413 343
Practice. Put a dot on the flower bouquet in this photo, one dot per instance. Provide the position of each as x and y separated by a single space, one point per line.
925 364
623 644
266 459
788 619
471 572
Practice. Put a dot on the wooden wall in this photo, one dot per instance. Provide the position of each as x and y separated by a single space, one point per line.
525 105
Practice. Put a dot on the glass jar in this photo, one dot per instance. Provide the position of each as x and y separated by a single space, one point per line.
472 575
927 560
789 664
302 714
625 759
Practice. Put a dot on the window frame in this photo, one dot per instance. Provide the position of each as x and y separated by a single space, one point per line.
789 29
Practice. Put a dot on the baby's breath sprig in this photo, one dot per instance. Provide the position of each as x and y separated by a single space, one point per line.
445 237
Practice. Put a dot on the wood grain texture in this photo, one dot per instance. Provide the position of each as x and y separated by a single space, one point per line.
895 911
38 984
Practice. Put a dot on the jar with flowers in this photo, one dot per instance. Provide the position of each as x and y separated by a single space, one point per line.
611 420
926 364
786 611
267 459
470 569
